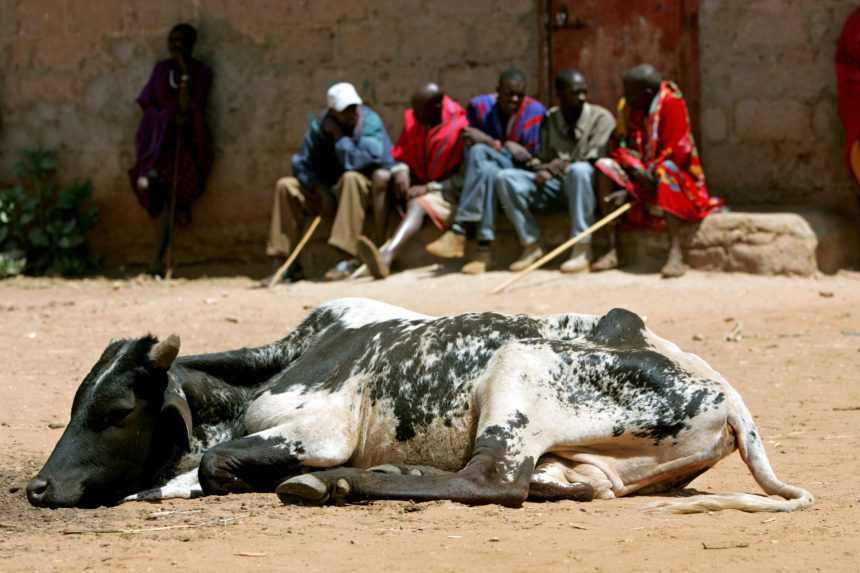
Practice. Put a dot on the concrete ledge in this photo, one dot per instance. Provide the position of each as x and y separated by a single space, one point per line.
793 244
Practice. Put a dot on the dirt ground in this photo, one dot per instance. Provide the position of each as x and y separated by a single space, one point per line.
794 356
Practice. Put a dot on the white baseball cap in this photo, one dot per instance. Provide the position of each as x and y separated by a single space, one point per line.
341 96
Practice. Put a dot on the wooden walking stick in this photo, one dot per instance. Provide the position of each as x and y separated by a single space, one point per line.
171 221
276 278
563 247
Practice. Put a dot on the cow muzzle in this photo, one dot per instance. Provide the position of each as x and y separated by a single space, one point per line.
42 492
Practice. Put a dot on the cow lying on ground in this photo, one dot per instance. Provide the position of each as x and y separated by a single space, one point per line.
366 400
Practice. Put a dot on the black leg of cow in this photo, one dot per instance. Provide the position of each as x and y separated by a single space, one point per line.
550 491
491 476
248 464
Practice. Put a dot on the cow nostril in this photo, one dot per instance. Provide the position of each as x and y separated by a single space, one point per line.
36 490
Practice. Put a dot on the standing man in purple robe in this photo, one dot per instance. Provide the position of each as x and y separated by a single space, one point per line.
173 143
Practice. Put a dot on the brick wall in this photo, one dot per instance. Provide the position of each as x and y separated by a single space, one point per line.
72 69
771 130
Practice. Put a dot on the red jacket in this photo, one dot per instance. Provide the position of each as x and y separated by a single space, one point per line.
432 154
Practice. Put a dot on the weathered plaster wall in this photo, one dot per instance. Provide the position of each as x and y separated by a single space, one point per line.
769 121
72 69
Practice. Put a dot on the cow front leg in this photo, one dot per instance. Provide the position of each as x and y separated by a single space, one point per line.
259 462
495 474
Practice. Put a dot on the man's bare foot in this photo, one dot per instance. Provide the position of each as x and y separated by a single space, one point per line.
373 258
674 266
607 262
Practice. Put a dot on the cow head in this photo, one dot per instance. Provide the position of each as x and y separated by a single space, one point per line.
129 421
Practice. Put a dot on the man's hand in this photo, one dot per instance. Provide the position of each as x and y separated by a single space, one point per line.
321 202
332 128
542 176
416 191
472 135
518 152
616 198
644 178
557 167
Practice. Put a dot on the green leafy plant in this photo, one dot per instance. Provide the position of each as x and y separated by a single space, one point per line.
44 226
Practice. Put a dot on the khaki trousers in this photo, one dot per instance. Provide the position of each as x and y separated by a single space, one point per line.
291 202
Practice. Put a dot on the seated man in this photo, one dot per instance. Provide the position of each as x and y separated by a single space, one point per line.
848 77
430 149
573 136
656 161
504 130
341 150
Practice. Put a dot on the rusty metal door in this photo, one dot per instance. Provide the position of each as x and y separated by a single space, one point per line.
603 38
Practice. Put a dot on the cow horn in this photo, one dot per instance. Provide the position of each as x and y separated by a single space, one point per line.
164 353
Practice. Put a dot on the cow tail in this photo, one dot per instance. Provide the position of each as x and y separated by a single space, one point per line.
752 451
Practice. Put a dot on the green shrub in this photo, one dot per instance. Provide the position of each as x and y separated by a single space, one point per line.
43 226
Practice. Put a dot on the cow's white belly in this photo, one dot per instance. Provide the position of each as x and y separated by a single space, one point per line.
444 446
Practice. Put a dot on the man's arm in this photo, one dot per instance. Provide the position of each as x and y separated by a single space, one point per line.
598 139
302 163
474 133
371 149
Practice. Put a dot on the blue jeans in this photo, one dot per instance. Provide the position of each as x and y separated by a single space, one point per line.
478 200
519 195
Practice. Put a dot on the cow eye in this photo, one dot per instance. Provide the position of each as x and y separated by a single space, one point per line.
117 417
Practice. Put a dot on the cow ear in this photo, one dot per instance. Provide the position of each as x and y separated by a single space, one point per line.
175 410
165 352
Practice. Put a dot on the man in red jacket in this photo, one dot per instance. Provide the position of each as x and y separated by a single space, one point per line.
848 76
656 160
428 152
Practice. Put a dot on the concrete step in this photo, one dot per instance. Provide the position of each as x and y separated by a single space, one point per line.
798 243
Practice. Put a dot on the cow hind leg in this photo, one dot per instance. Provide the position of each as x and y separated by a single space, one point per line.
494 475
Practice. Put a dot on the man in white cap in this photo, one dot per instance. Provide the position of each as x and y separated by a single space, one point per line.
341 150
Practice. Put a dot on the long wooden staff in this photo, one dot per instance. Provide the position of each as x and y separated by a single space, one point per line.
563 247
276 278
171 221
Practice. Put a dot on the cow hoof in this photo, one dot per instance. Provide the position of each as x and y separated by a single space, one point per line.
306 488
386 469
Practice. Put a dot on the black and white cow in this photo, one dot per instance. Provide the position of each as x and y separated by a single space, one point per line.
367 400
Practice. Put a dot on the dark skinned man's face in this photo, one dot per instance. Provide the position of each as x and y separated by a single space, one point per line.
346 118
573 97
177 44
638 97
428 111
511 96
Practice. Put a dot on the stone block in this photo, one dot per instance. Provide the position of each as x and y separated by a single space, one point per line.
364 43
329 12
96 18
838 235
40 18
8 19
770 24
780 120
158 16
714 124
434 44
757 243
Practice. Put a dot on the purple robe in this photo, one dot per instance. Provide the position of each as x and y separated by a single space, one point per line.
158 136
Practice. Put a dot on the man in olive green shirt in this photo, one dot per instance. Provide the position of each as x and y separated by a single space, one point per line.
573 136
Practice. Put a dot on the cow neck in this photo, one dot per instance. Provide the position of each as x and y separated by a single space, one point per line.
211 399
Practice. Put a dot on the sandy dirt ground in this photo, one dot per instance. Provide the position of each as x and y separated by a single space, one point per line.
795 357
